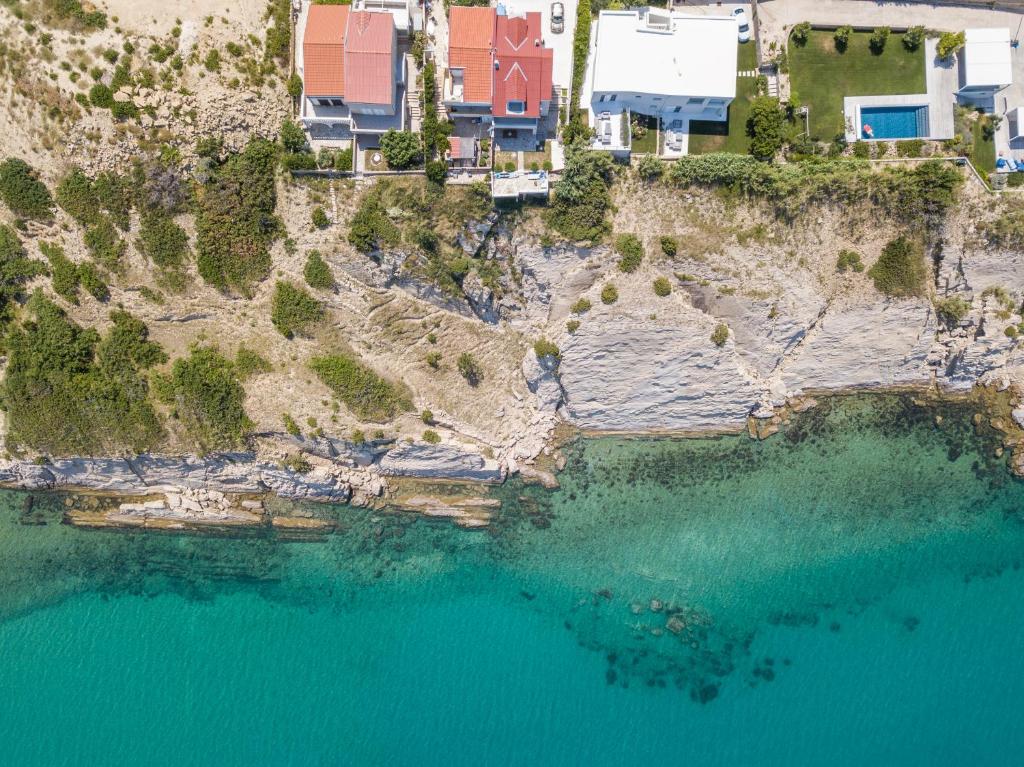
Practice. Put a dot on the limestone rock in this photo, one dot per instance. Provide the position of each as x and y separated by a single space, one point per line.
440 462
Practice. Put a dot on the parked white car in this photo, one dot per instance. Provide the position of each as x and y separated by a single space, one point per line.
744 25
557 18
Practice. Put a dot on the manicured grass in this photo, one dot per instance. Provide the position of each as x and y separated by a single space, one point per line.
731 136
821 76
982 152
648 143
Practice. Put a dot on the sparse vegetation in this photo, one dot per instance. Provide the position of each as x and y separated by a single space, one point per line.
849 260
609 294
248 363
581 306
720 334
369 396
470 369
293 310
545 348
952 309
662 287
669 246
631 252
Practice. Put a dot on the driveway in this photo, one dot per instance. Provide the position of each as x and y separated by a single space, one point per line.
561 43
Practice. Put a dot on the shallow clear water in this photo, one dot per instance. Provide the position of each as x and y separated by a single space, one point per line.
847 592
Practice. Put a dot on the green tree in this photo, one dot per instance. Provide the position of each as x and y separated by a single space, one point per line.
765 126
900 270
22 191
950 43
209 399
293 310
401 149
293 138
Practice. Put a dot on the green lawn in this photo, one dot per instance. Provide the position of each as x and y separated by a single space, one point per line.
982 151
648 143
731 136
820 76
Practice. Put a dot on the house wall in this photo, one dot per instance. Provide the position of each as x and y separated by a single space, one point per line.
660 105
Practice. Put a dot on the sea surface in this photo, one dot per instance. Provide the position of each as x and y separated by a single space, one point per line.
848 592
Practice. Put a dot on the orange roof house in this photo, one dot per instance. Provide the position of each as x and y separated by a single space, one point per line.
471 49
323 50
523 67
369 58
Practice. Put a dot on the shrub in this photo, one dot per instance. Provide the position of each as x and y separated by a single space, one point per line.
124 110
581 196
952 309
69 391
662 287
437 170
900 270
293 138
842 37
434 359
293 310
248 363
631 252
101 96
913 38
582 306
849 260
104 243
878 39
317 272
319 217
650 168
720 334
861 149
609 294
949 43
22 191
427 417
431 437
294 82
290 426
765 126
370 227
93 282
580 51
1011 331
63 272
162 241
545 348
909 147
401 149
801 33
16 268
470 369
235 221
669 246
366 394
212 60
572 326
208 398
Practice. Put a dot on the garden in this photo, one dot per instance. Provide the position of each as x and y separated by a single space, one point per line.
731 136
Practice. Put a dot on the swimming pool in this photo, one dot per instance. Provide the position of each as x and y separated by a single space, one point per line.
895 121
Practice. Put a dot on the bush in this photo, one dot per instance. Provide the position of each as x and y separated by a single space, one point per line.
861 149
572 326
427 417
581 196
212 60
720 334
401 149
104 243
849 260
949 43
662 287
545 348
23 192
952 309
90 278
248 363
69 391
235 221
319 217
909 147
900 270
290 426
878 39
431 437
162 241
765 126
63 272
582 306
631 252
437 170
609 294
317 272
101 96
366 394
470 369
913 38
208 398
434 359
801 33
650 168
580 51
293 138
842 37
294 84
669 246
293 311
370 227
16 269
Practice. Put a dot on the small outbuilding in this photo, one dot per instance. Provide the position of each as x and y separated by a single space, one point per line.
985 65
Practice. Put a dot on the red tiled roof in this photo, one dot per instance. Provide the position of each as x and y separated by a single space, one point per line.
369 58
470 45
461 148
524 65
323 50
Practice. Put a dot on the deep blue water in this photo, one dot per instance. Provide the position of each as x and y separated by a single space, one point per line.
845 593
895 122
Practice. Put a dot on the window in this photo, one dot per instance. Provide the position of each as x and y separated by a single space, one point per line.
515 107
613 97
695 101
716 102
329 102
602 97
656 98
677 109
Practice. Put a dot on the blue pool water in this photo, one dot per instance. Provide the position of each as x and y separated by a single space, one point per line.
846 593
896 122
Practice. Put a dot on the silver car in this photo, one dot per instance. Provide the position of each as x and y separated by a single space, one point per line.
557 18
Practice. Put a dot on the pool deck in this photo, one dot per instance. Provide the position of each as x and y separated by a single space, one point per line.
941 82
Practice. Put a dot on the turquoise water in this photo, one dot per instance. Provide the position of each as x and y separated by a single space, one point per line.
848 592
895 121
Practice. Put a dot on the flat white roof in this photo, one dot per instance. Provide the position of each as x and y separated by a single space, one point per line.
986 59
696 57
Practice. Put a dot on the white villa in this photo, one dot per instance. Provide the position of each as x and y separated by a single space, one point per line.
661 64
985 66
